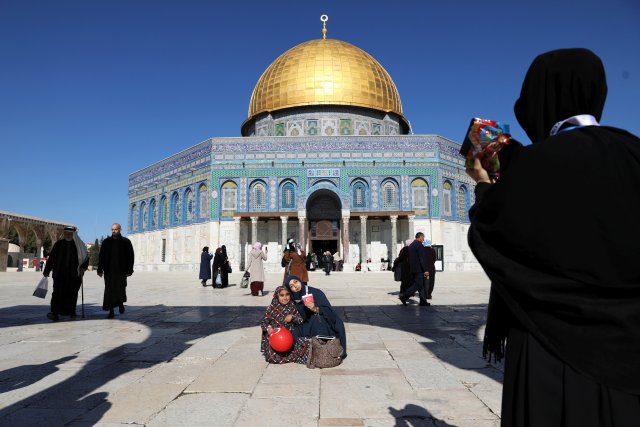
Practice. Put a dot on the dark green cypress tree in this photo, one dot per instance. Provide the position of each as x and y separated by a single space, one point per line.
94 254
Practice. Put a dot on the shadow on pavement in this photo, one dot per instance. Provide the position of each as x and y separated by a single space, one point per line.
415 416
25 375
448 331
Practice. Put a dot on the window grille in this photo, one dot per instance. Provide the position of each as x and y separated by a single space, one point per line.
389 195
446 198
229 199
462 202
203 196
287 196
257 197
359 195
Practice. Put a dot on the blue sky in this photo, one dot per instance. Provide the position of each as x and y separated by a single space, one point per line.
93 90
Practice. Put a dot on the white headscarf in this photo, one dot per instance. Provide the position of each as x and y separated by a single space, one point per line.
83 254
257 245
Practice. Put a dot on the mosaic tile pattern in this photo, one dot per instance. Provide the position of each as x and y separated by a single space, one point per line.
274 159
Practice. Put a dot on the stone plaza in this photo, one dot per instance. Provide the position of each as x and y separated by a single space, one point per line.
186 355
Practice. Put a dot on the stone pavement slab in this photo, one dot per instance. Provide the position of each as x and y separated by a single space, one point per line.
185 355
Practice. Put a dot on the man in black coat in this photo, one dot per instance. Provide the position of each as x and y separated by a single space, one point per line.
431 256
116 263
419 271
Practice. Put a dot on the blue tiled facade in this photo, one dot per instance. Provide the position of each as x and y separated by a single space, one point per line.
223 177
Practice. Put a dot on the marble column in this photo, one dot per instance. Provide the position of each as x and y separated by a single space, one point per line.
283 236
302 221
254 229
345 239
412 228
394 236
363 241
236 230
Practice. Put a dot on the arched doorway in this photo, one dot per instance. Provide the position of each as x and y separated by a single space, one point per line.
324 213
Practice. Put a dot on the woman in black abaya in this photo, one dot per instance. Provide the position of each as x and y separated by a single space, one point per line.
318 316
558 237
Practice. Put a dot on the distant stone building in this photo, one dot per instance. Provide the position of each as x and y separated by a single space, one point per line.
326 156
42 230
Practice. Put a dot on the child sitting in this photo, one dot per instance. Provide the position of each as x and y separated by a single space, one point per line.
282 313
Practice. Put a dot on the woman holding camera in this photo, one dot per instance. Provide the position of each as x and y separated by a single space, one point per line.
567 313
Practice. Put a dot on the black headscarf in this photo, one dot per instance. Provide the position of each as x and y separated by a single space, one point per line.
295 296
558 234
560 84
329 317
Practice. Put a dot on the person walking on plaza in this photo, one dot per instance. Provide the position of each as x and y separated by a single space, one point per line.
256 268
205 266
221 267
115 262
419 271
328 262
294 261
337 261
565 282
68 260
430 254
402 263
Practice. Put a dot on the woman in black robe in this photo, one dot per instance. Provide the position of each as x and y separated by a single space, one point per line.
205 266
220 264
319 317
557 234
402 262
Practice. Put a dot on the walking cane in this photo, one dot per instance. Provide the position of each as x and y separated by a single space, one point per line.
82 289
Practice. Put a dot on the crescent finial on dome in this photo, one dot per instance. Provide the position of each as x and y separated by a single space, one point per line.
324 19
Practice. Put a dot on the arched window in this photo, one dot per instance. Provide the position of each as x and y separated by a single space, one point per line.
446 198
176 210
359 195
420 194
258 193
164 211
153 210
462 202
389 194
287 196
144 214
189 205
229 196
203 201
134 217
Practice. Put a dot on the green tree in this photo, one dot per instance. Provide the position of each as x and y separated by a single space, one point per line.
14 237
47 245
31 246
94 253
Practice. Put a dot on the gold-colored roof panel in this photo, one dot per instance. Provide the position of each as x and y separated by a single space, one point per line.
325 72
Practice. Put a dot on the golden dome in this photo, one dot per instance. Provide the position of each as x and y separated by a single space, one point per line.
325 72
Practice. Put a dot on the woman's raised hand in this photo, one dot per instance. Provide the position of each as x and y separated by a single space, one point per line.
478 173
311 306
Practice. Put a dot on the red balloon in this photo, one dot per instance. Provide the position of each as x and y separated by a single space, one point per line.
281 339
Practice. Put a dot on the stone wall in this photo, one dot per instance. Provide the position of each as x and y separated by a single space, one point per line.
184 244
